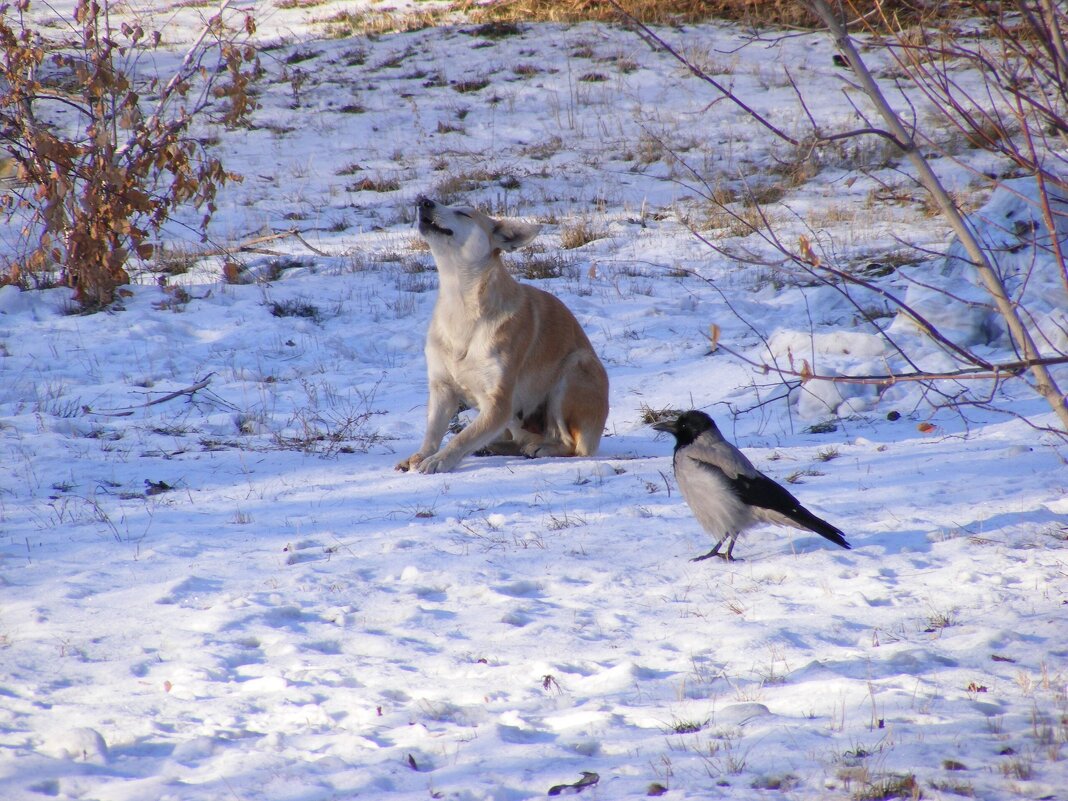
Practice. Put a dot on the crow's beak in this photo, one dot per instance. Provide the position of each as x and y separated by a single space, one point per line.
666 425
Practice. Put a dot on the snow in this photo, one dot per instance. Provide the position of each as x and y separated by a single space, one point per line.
232 594
1011 226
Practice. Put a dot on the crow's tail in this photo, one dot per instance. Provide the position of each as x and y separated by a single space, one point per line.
805 518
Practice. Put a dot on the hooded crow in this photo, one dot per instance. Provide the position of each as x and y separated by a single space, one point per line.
725 492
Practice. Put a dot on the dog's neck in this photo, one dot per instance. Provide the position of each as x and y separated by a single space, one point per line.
472 283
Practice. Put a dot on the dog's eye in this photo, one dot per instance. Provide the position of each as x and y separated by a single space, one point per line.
463 214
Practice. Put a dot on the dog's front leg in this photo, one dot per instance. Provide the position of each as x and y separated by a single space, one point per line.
491 421
442 405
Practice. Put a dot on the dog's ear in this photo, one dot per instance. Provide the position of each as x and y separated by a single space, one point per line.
509 235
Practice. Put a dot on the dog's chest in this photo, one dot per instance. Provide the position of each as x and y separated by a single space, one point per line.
465 349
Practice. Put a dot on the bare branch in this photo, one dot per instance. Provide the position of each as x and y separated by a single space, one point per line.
655 39
195 51
995 372
918 318
1045 384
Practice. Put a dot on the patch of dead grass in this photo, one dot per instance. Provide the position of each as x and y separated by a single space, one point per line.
778 13
500 18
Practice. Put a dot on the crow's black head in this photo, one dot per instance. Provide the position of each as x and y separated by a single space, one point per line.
687 427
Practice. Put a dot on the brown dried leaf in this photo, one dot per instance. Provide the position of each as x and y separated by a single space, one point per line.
807 253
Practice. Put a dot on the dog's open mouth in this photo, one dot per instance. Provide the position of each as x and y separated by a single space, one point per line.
428 225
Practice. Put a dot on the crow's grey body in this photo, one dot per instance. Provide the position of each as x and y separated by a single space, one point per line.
726 493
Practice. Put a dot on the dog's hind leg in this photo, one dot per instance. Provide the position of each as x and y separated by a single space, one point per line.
576 413
585 405
506 445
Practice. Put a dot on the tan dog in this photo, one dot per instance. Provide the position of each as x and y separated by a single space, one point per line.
510 350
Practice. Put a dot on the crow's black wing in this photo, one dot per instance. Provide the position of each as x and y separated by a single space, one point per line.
760 491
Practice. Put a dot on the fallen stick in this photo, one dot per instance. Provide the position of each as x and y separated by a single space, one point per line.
251 244
190 390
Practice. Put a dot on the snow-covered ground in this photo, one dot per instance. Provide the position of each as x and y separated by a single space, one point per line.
232 594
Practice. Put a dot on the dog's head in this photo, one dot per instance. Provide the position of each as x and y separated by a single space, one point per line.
461 232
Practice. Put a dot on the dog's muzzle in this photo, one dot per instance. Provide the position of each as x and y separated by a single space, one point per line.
427 221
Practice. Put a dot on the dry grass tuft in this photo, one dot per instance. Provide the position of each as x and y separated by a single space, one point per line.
287 5
455 185
472 85
580 232
536 263
376 184
647 415
372 23
888 787
174 260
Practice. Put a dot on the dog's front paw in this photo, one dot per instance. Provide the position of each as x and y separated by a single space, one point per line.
410 463
438 463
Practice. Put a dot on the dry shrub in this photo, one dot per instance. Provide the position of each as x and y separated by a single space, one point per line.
90 195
